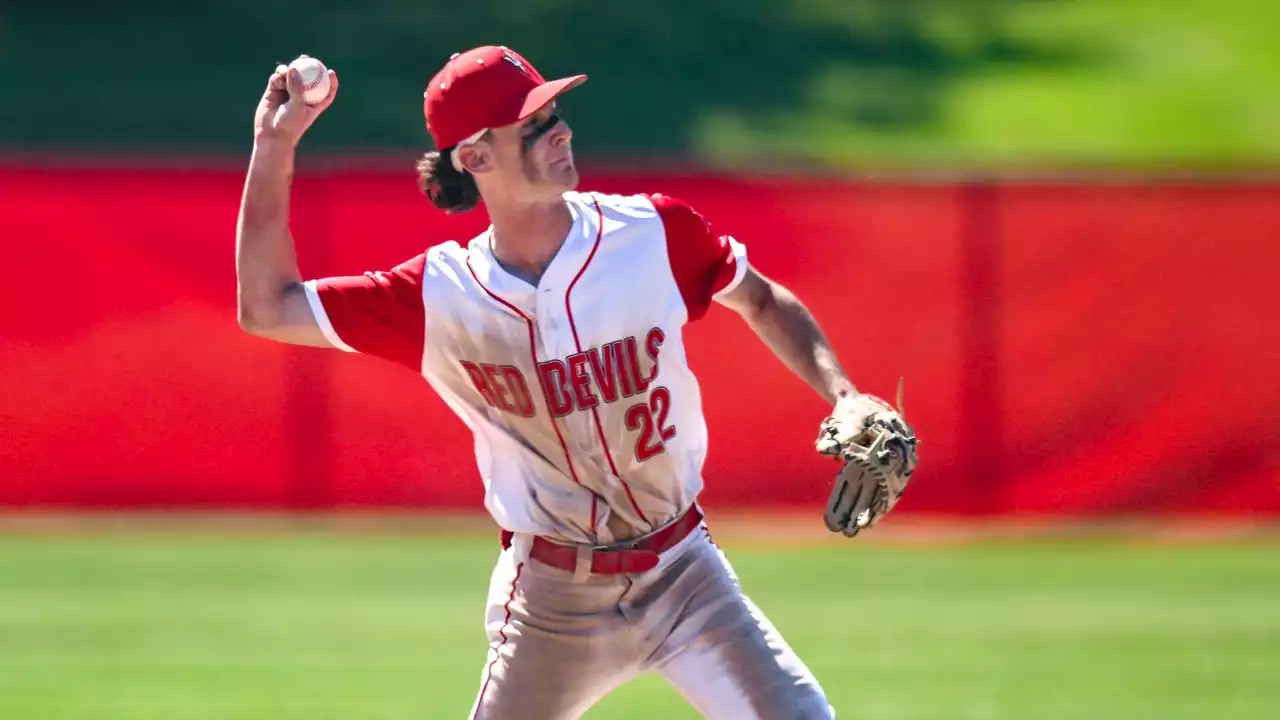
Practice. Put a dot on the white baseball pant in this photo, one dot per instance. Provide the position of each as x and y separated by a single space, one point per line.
560 641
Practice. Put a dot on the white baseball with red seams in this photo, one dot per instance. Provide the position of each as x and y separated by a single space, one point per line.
315 78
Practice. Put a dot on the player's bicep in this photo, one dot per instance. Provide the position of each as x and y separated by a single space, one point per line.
292 321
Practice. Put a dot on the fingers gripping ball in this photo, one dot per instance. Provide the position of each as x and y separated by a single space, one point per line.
315 79
879 455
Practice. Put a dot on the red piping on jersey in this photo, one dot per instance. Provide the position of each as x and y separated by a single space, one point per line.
533 354
502 632
595 414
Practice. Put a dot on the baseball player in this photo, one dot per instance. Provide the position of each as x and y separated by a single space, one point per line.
556 336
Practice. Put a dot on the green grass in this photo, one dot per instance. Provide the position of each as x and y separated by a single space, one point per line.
187 626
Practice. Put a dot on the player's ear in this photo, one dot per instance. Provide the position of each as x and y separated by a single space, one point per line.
475 158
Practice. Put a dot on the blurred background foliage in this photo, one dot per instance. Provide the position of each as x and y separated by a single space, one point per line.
751 84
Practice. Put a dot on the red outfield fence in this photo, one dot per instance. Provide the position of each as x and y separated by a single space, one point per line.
1069 349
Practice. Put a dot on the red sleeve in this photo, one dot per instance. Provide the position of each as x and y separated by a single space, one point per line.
377 313
703 262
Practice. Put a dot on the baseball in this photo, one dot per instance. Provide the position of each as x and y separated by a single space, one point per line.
315 78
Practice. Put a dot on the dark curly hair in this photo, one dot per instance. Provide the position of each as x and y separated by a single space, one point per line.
448 188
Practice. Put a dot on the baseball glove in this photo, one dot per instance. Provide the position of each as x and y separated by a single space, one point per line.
878 449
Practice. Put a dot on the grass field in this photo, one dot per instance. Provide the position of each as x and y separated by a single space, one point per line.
186 625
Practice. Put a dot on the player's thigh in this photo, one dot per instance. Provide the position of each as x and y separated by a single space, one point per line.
730 662
550 657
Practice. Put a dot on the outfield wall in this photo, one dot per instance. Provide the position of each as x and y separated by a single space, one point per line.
1068 348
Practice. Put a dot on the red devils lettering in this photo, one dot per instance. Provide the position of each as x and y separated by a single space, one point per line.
480 381
519 391
581 383
568 384
554 381
603 371
620 367
633 365
491 372
653 343
502 387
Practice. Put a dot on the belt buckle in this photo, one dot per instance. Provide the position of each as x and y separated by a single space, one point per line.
632 544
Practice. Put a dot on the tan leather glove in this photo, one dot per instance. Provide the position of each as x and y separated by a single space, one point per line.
878 449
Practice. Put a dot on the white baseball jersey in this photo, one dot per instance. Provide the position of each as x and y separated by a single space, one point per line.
577 390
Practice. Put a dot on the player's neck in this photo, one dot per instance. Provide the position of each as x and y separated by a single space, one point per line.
527 237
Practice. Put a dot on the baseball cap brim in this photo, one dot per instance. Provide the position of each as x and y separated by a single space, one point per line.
546 92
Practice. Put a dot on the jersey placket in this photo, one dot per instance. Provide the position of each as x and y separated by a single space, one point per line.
555 299
555 342
522 304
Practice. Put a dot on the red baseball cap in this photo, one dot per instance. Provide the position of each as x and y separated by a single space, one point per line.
484 88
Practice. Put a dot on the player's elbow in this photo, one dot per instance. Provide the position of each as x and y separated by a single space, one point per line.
253 319
762 301
753 298
247 321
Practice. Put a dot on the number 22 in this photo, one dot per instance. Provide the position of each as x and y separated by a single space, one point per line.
641 417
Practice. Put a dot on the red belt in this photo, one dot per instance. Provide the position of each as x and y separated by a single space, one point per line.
633 557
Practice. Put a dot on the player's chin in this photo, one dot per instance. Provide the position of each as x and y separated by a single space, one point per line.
563 173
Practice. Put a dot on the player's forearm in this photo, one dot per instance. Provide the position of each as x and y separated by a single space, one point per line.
266 262
792 333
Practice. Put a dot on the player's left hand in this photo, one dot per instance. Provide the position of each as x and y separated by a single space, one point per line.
878 449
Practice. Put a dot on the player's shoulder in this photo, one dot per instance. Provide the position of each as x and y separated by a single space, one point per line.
639 205
447 259
445 252
634 206
449 251
679 218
